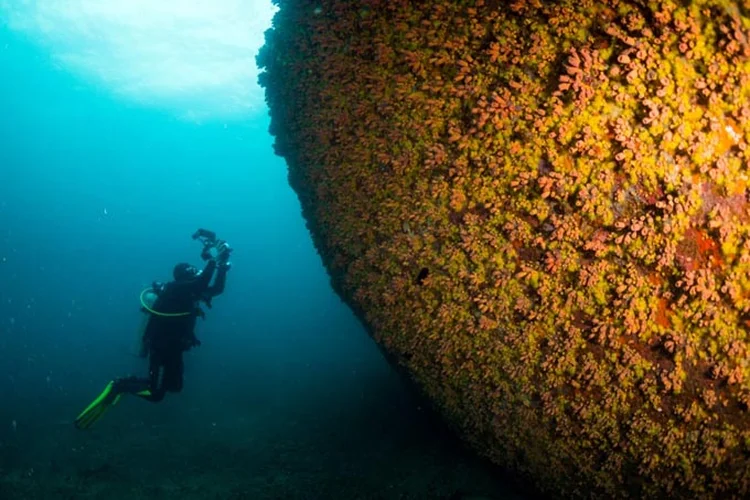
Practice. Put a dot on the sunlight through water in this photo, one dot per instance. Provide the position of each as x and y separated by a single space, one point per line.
195 59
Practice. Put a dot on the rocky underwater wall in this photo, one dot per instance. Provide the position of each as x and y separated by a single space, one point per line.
540 211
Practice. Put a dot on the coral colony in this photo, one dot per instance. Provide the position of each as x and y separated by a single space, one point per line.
540 210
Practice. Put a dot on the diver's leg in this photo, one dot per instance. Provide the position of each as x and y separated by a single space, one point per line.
174 369
131 385
151 388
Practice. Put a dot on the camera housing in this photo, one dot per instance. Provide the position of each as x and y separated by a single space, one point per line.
212 246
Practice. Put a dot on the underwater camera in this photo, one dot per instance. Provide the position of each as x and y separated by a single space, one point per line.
212 246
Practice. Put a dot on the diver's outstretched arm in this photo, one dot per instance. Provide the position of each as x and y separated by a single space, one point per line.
218 286
205 278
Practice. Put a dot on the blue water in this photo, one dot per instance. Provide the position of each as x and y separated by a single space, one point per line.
99 198
286 398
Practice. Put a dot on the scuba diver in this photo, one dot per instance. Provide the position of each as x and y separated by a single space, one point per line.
172 310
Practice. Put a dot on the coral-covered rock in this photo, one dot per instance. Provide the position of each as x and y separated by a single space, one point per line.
540 210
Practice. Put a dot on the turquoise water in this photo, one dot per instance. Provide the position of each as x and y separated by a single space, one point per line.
286 398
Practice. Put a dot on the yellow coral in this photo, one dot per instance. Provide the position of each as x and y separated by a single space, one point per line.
574 175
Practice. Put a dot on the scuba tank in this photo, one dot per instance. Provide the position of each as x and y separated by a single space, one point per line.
148 299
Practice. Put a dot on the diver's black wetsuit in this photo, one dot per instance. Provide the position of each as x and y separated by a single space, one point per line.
166 338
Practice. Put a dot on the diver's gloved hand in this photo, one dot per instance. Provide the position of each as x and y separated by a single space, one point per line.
223 251
222 258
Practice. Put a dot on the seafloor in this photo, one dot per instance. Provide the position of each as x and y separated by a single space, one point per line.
357 442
